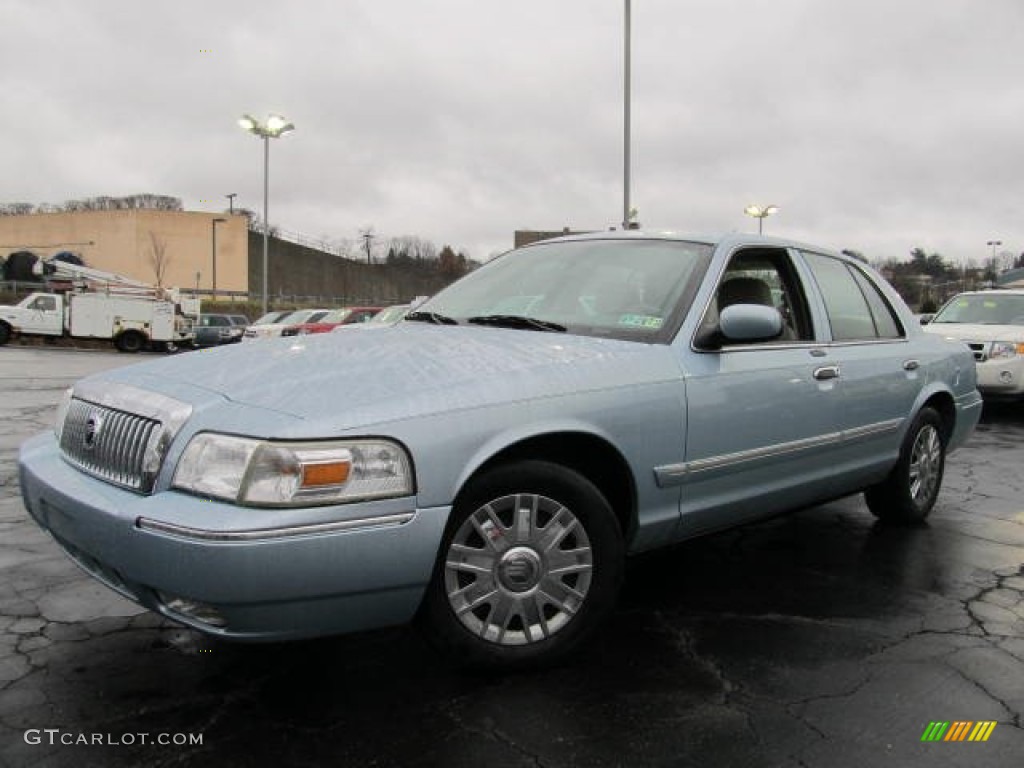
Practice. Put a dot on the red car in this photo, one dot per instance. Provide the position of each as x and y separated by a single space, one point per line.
334 318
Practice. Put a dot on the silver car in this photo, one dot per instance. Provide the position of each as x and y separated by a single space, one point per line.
487 465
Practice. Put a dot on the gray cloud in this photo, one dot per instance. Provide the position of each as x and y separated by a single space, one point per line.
879 125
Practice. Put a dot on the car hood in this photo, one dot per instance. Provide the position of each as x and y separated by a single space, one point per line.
374 375
977 332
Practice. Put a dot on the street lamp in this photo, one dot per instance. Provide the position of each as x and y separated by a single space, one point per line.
760 212
231 202
626 86
213 229
274 128
993 244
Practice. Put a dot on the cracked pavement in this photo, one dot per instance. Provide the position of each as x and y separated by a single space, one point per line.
818 639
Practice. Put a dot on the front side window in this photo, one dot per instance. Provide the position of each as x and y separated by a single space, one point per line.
764 276
628 289
856 310
44 303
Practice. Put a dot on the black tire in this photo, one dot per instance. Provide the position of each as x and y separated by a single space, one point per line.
908 494
5 333
130 342
501 606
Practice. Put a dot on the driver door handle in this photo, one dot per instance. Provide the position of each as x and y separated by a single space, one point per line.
826 372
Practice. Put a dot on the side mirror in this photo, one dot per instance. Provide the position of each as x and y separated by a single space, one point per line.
926 318
741 323
750 322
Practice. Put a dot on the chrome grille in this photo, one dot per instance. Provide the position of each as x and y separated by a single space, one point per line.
109 444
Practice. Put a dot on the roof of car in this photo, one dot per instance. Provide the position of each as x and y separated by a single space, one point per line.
728 239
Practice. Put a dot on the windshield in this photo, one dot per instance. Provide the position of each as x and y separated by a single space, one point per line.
621 288
983 309
335 316
390 315
270 318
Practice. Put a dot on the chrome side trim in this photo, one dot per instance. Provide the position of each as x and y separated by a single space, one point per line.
677 474
265 534
872 430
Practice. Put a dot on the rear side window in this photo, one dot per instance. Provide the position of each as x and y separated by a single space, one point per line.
886 324
857 311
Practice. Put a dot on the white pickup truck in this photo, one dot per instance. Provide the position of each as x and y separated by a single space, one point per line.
131 322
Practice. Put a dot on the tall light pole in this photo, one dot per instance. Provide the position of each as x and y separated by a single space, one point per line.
760 212
626 107
274 128
213 250
993 244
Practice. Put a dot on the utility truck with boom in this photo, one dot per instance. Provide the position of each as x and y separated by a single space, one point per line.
86 303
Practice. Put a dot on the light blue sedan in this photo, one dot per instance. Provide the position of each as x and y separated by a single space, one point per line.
486 465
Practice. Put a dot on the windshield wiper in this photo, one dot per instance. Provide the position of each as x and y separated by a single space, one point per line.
516 321
431 317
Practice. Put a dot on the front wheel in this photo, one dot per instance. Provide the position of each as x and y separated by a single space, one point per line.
530 564
5 333
908 494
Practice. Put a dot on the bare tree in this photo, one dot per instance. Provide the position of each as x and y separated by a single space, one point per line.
158 258
343 247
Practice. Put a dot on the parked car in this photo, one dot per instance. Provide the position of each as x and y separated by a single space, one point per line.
215 329
274 326
330 321
486 465
387 316
992 325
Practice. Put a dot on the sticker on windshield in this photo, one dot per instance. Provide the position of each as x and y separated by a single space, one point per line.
641 321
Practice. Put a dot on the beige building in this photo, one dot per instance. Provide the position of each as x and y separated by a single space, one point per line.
135 242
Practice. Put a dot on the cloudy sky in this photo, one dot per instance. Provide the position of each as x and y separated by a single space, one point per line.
876 125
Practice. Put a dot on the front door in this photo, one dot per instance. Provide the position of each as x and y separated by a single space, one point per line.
760 416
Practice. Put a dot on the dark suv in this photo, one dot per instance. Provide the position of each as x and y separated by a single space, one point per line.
212 330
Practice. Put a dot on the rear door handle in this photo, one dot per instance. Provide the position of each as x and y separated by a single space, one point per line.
826 372
911 365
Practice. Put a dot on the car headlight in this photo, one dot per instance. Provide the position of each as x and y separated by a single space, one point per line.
1005 349
268 474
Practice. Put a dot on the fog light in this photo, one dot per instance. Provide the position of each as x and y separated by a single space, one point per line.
193 609
1006 377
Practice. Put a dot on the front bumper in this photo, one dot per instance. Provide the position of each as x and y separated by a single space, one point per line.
361 566
1001 378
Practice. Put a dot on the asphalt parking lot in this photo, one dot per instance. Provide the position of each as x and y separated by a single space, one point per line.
817 639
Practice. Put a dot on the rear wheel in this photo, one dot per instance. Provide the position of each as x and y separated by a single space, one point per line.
530 564
908 494
5 333
130 342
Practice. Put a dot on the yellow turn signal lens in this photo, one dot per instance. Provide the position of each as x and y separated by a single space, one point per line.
320 475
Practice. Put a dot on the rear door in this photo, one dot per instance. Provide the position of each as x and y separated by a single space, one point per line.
879 378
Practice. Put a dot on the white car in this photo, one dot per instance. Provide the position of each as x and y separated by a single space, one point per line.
992 325
272 324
